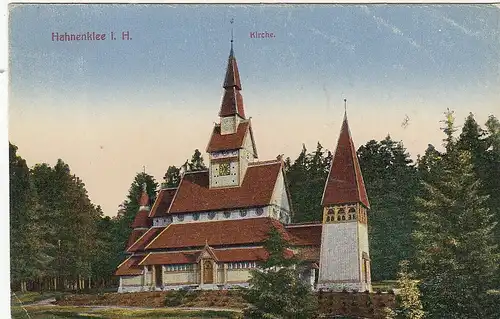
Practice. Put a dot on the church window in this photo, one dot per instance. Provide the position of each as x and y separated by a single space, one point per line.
224 169
259 211
211 215
243 213
196 216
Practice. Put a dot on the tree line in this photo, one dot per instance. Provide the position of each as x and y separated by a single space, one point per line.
60 239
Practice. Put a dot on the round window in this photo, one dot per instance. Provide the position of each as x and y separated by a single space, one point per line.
196 216
180 218
259 211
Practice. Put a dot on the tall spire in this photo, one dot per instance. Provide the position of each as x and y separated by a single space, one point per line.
232 101
345 182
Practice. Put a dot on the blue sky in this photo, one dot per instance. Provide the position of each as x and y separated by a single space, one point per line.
109 107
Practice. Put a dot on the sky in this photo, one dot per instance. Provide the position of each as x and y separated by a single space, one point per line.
110 107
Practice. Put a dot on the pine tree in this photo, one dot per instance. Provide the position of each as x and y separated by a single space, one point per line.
456 253
172 177
306 179
130 207
196 163
29 255
392 183
276 291
408 298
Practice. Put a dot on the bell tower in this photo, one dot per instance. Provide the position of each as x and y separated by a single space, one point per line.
231 147
344 254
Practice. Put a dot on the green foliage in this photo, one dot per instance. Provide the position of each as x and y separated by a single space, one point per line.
29 249
306 179
408 299
172 177
276 291
55 229
456 252
392 182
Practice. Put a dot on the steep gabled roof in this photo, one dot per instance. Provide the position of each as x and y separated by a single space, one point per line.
222 255
345 182
129 267
217 233
145 239
195 195
162 203
219 142
305 235
232 101
136 234
141 220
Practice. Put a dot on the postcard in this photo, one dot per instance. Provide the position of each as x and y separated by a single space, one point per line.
163 155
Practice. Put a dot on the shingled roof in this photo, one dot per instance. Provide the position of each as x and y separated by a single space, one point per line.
162 203
345 182
217 233
130 267
226 142
145 239
232 101
194 193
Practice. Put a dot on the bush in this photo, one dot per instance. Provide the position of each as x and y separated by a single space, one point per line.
175 298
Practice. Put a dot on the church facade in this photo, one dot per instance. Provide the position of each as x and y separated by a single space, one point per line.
208 233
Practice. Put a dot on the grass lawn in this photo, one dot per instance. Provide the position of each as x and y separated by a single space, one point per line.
57 312
31 297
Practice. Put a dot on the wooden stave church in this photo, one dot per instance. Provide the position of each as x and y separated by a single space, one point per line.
208 233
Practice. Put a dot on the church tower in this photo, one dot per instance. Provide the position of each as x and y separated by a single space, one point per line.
231 147
141 222
344 254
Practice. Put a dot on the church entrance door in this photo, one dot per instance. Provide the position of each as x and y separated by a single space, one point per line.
208 272
158 276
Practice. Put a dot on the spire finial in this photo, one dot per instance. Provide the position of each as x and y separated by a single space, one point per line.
345 105
231 21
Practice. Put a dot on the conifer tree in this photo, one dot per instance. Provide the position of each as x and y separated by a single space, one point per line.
29 255
172 177
392 183
408 298
196 163
276 291
456 254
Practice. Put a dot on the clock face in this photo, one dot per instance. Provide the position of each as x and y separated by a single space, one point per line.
224 169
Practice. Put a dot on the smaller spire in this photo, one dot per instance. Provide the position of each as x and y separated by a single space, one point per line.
345 109
231 21
144 200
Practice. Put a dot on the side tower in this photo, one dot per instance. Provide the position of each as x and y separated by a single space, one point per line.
344 253
141 222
